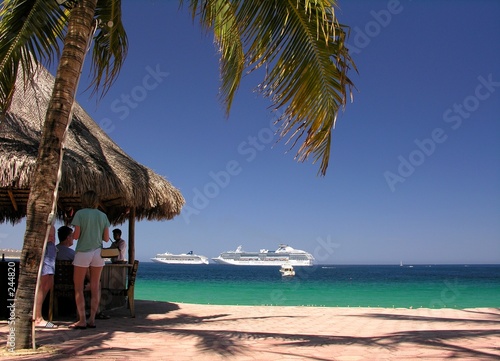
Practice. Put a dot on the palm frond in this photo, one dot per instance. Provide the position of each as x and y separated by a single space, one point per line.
29 34
302 47
220 16
305 47
110 45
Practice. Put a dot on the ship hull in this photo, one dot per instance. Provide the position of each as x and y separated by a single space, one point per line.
284 254
178 261
189 258
262 262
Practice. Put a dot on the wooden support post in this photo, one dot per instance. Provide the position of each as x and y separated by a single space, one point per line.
131 236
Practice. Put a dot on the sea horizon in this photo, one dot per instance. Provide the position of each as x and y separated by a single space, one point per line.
11 254
428 286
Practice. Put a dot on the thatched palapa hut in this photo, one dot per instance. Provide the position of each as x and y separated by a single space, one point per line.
129 190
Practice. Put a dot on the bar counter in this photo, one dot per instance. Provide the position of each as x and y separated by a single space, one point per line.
113 282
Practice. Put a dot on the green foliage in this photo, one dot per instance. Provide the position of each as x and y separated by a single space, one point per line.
298 43
29 34
302 47
110 45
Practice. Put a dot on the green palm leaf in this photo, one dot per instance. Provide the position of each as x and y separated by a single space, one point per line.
110 45
29 34
220 16
303 48
308 79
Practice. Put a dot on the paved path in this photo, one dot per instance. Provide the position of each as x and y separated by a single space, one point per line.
186 332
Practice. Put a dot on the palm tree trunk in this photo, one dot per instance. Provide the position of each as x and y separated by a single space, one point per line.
44 187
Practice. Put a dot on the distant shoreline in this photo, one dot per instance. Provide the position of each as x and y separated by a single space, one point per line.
10 253
409 265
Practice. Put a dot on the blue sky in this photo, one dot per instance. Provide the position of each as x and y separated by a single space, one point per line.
414 174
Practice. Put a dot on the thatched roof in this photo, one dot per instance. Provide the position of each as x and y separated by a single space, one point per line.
91 161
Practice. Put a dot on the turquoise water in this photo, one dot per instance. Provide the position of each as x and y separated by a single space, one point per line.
437 286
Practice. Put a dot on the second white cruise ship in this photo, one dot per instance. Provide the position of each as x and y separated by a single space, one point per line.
284 254
183 258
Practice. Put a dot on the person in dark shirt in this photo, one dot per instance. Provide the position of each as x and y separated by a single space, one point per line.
64 252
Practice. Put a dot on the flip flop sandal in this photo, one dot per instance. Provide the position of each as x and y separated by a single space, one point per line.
74 327
47 325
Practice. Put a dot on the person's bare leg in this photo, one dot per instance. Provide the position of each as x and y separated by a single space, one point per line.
78 279
46 282
95 292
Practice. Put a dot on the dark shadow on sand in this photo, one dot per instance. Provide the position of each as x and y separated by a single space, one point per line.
229 341
392 317
485 313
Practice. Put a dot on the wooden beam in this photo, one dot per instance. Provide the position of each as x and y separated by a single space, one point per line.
12 199
103 207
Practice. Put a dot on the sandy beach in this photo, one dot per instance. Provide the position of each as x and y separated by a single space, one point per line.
185 332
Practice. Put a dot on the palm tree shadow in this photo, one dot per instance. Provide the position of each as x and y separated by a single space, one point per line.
495 314
229 341
394 317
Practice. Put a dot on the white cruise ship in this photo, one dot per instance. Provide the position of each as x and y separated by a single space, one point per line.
183 258
284 254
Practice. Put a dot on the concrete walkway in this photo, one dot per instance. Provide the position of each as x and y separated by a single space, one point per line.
186 332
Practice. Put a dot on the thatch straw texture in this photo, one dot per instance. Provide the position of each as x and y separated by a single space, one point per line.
91 161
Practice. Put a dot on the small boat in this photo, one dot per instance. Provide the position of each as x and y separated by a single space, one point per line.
287 270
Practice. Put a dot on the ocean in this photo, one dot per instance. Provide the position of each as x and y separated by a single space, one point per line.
428 286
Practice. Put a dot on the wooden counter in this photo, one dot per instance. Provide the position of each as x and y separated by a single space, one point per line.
113 281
